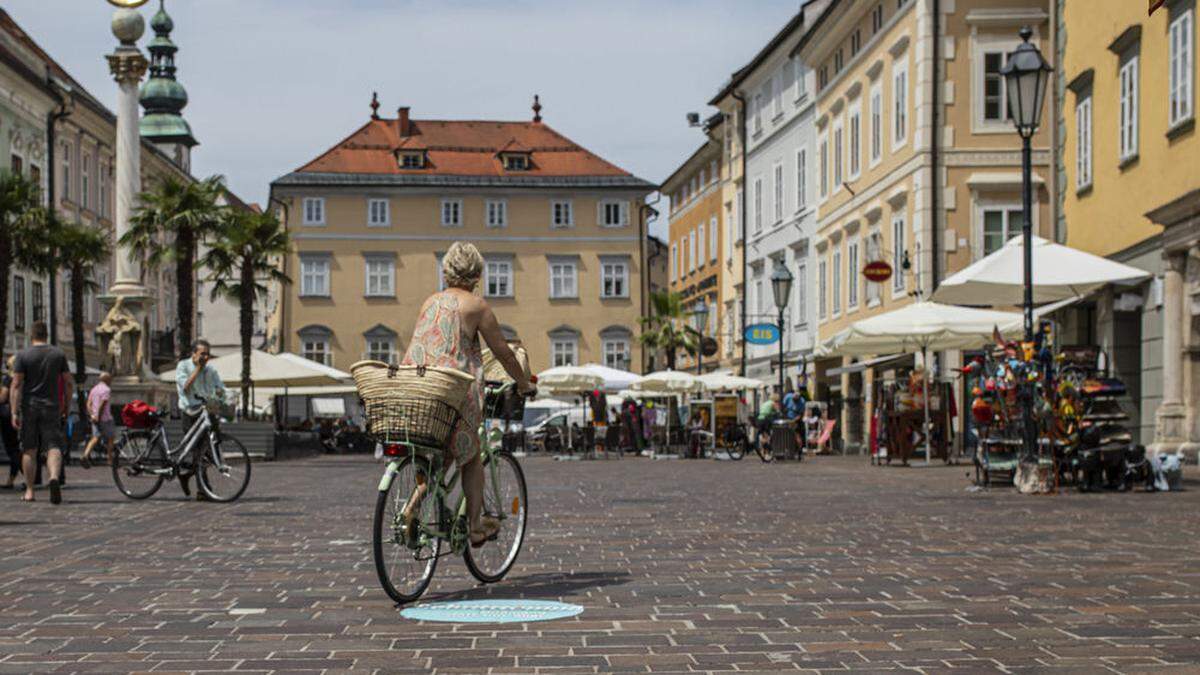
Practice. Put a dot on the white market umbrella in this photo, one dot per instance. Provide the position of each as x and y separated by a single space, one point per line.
1059 273
669 382
725 382
923 326
319 367
568 380
614 379
267 370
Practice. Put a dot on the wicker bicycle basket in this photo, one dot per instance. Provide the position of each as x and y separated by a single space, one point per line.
411 404
493 370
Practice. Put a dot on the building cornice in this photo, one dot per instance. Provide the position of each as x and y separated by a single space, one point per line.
319 179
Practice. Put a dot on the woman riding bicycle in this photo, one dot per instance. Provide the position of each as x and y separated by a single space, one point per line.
447 336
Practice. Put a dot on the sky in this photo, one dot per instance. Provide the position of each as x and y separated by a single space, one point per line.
274 83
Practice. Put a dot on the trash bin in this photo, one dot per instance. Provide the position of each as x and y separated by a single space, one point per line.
783 440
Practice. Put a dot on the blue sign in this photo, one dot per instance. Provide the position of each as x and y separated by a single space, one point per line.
491 611
762 334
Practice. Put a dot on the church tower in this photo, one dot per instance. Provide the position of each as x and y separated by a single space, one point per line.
163 98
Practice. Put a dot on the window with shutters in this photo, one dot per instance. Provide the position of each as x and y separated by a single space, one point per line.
898 282
852 274
713 234
1182 37
498 281
562 214
381 276
701 245
497 213
614 279
758 205
452 213
822 291
614 213
1083 143
314 210
855 141
836 282
900 103
1129 109
314 276
563 280
377 213
801 180
876 123
778 194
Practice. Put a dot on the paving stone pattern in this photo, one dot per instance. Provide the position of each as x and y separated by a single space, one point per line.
682 566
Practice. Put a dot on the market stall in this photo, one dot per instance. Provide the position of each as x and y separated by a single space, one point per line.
728 406
922 327
573 382
670 385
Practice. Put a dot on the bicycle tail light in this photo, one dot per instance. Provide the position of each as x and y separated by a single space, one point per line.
395 450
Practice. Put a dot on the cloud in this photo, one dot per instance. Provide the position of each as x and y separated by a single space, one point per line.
272 83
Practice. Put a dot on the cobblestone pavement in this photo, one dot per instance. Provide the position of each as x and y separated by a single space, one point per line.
829 565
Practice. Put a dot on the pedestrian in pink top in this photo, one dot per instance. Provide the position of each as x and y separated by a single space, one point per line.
100 413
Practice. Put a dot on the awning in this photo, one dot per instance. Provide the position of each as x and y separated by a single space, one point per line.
869 363
328 407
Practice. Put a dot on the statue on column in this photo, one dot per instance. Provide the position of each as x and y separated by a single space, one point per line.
121 339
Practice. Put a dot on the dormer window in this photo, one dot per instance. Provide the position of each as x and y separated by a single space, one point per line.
515 161
411 160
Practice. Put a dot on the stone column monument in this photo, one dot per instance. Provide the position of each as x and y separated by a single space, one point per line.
123 331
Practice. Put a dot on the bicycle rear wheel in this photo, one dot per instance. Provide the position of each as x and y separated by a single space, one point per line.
138 465
505 497
405 560
224 476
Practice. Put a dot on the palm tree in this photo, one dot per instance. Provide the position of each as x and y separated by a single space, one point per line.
665 329
170 224
242 261
20 217
81 248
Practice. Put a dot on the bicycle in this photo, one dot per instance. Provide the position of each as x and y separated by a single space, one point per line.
735 441
406 551
143 459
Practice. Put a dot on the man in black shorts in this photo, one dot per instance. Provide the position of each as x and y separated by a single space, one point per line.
37 412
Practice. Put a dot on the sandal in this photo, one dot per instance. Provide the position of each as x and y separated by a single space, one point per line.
490 528
27 499
85 462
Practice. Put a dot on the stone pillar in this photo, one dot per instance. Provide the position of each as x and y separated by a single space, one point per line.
127 65
1169 424
123 331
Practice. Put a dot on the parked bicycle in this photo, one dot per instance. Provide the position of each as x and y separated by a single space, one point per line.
144 459
407 551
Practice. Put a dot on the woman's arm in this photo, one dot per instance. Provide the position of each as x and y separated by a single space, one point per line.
489 327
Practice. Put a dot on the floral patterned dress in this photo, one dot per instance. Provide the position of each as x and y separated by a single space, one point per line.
439 341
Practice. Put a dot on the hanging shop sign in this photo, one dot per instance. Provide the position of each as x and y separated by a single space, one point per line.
708 347
878 271
762 334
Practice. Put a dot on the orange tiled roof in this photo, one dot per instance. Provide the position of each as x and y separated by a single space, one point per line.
461 148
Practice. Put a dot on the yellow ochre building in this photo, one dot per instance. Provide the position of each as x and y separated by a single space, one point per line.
562 231
1131 191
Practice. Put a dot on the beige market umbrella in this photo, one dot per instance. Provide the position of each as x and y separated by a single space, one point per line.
1059 273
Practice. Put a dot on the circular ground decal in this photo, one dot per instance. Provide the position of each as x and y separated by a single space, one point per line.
492 611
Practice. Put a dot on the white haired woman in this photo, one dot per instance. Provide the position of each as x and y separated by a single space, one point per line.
447 335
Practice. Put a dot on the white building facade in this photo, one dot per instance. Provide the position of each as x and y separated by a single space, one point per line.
779 197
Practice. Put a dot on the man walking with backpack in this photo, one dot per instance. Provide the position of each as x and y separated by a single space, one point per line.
37 411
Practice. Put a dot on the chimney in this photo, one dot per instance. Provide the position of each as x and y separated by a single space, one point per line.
402 120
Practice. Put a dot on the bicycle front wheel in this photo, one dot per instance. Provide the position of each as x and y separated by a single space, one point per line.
139 465
223 475
405 559
505 498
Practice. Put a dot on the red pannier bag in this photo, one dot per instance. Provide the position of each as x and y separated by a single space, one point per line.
138 414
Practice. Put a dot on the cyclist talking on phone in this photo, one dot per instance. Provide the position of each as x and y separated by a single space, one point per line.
196 382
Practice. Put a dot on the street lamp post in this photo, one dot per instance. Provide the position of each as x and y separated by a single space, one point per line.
781 287
700 322
1026 76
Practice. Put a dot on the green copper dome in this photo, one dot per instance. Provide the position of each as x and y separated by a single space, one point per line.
162 96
